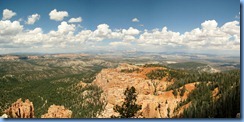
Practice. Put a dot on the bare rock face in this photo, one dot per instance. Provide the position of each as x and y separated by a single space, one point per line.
152 94
55 111
20 109
82 84
4 116
124 66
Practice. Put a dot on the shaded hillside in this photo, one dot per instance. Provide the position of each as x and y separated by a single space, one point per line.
225 102
53 81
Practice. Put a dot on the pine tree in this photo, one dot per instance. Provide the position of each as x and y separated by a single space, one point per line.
182 91
175 93
129 108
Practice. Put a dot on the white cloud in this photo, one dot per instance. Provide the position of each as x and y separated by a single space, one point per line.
119 44
163 37
135 20
32 19
58 15
213 37
102 30
10 28
73 20
64 27
131 31
231 28
8 14
129 38
208 36
83 36
209 24
30 37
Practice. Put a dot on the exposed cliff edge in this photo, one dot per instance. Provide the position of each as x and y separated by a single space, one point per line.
152 95
20 109
55 111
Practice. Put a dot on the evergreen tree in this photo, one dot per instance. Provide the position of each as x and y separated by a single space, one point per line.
182 91
129 108
175 93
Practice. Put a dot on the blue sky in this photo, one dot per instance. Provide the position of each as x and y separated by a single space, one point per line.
177 15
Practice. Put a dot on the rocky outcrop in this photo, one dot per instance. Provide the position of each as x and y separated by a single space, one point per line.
238 115
4 116
82 84
152 94
124 66
55 111
20 109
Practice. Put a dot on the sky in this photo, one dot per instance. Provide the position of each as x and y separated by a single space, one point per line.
58 26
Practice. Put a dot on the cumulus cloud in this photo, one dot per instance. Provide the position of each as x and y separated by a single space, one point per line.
73 20
208 36
231 28
58 15
8 14
131 31
102 30
10 28
32 19
30 37
213 37
157 37
135 20
64 27
209 24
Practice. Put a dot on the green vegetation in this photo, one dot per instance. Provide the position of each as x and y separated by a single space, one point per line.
55 81
225 104
156 74
129 108
51 81
175 92
182 91
130 70
168 111
170 73
154 65
202 100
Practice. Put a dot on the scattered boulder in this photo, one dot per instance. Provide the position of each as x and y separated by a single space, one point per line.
4 116
238 115
82 84
55 111
20 109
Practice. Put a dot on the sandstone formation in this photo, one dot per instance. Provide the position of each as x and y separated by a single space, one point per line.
55 111
20 109
4 116
82 84
152 94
